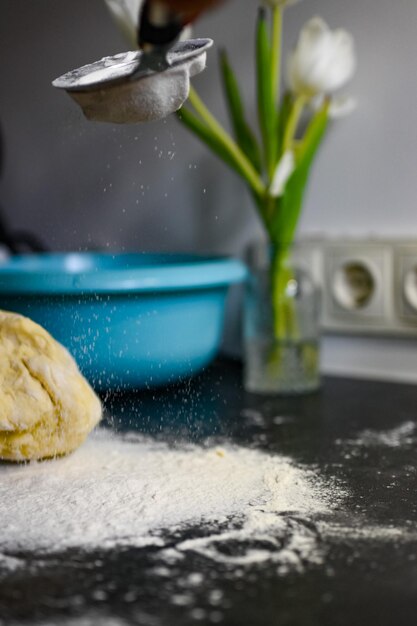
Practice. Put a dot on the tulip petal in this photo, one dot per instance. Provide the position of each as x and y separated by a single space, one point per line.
323 60
126 15
341 107
283 171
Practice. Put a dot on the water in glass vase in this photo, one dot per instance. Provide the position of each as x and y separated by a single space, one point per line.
284 367
281 325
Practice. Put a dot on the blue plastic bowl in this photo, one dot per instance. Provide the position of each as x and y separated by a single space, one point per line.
130 320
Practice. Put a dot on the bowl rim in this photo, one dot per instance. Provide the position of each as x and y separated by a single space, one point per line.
66 273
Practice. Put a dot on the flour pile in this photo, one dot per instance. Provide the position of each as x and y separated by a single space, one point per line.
131 491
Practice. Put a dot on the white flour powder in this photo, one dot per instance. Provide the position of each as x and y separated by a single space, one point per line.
250 507
402 435
131 491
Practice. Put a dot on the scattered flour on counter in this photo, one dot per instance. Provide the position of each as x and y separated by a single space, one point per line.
367 532
402 435
131 491
10 564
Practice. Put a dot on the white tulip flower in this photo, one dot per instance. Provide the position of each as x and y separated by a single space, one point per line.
340 106
323 60
126 15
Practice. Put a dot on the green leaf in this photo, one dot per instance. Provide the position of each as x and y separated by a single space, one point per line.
266 103
313 135
242 131
288 208
199 128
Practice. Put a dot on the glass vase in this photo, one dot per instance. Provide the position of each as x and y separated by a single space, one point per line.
281 324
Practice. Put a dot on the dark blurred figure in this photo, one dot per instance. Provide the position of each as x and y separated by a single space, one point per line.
18 241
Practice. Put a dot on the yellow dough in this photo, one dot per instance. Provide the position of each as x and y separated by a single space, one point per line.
47 408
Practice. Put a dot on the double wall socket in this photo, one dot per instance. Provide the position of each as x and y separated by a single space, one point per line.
368 286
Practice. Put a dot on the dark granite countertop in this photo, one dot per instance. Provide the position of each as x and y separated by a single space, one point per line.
370 581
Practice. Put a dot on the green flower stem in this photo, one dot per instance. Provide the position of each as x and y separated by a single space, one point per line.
284 313
283 305
252 177
280 275
293 121
276 51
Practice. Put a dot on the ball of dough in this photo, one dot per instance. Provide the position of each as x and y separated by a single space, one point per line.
47 408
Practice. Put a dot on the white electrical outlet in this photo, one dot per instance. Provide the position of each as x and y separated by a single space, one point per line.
406 281
368 286
355 279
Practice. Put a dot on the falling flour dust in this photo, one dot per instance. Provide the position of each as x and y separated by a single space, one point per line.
131 491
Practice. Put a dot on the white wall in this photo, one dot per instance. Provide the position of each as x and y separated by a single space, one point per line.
79 184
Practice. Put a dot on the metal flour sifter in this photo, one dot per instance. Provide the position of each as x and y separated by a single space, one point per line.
145 84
